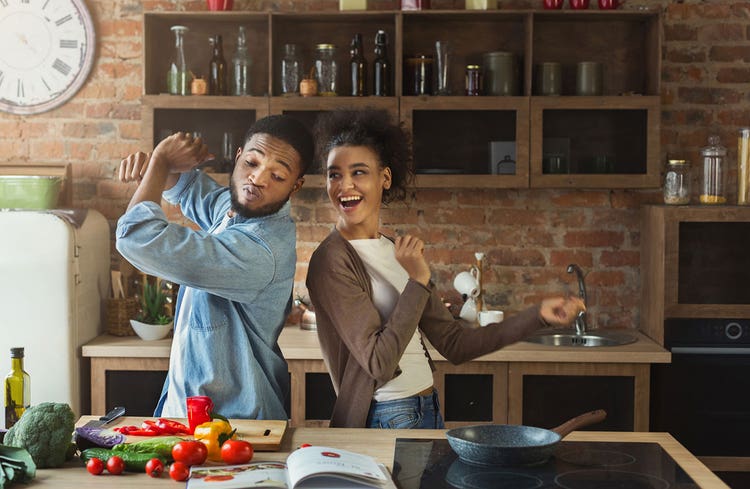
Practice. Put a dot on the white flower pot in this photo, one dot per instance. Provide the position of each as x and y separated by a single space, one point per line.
150 332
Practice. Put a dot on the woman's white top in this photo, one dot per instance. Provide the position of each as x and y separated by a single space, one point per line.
388 282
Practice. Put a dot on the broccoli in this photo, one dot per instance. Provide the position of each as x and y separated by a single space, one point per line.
44 431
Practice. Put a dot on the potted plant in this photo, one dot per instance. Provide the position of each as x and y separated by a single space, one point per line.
153 321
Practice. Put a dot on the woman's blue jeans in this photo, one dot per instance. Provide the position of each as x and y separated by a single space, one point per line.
411 412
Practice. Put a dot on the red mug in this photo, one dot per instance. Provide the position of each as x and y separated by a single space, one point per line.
553 4
579 4
219 4
609 4
199 410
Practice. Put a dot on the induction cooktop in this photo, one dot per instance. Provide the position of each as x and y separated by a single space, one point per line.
432 464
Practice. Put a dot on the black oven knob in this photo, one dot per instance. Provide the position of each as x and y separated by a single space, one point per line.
733 330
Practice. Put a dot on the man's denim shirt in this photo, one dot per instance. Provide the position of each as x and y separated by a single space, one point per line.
240 285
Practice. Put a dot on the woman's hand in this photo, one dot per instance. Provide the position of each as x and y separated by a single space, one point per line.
410 255
561 311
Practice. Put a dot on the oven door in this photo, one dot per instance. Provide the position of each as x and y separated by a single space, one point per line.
703 399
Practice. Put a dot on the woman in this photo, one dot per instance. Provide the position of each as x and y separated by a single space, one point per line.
374 301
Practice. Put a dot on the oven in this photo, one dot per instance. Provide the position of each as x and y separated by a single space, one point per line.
703 397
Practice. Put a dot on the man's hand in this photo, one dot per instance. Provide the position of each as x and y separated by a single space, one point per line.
410 255
180 152
133 167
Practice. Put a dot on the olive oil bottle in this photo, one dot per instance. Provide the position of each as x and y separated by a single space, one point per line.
17 388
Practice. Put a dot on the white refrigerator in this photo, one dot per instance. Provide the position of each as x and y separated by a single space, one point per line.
54 281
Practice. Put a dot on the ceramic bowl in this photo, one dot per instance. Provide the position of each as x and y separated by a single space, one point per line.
150 332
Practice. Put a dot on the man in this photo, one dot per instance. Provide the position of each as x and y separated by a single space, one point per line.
236 272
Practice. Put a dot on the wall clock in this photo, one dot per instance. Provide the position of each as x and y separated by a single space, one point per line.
46 52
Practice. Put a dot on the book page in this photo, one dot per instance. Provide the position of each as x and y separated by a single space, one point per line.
338 482
309 462
258 474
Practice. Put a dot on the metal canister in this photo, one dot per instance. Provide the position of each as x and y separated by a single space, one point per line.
473 80
501 75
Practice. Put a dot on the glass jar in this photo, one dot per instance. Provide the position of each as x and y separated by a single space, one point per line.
473 80
418 75
291 71
677 183
714 181
743 167
326 69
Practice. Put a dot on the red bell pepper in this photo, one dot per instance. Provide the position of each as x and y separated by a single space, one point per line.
171 427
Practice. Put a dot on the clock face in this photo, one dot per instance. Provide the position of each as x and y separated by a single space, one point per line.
46 53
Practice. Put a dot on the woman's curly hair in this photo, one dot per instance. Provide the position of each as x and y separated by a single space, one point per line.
372 129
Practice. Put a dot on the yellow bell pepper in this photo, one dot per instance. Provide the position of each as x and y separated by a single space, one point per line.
213 434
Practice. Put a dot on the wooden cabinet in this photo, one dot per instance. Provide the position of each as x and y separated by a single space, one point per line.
608 141
693 264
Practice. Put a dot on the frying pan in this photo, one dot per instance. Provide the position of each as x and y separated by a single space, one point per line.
509 445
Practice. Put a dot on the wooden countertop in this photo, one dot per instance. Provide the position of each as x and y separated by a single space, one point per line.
299 344
376 443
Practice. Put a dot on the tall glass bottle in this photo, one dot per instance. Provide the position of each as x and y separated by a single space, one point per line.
241 66
178 76
217 69
357 68
381 66
17 388
291 71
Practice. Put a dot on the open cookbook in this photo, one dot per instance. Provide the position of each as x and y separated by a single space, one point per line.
313 467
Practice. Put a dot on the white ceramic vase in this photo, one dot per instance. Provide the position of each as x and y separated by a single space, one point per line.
150 332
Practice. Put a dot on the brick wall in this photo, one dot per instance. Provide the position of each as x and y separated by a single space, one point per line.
529 235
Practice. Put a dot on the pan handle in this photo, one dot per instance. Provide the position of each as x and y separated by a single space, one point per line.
584 419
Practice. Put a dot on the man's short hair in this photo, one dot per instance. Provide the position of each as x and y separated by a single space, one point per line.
291 131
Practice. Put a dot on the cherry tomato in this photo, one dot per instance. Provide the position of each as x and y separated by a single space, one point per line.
115 465
190 452
178 471
236 452
95 466
154 467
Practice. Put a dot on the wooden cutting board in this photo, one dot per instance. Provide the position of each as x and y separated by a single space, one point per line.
265 435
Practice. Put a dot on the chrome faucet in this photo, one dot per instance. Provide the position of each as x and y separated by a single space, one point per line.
580 322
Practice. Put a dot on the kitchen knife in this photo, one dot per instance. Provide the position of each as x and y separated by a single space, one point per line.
115 413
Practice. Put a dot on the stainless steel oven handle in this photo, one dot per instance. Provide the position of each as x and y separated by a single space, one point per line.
702 350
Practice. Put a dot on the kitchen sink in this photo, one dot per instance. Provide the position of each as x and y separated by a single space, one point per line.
566 337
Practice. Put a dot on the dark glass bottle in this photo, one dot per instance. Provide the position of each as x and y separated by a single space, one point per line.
358 68
217 69
381 66
17 389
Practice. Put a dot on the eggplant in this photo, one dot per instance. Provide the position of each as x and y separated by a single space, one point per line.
96 437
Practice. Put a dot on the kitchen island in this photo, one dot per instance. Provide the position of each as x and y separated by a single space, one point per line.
500 375
379 444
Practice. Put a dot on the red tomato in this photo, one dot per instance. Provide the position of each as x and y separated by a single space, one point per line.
115 465
236 452
154 467
178 471
95 466
190 452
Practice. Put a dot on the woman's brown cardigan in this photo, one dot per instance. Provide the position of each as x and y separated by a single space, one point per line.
362 353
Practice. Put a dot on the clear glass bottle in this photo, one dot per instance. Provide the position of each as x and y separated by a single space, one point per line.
357 68
381 67
743 167
291 71
217 68
677 182
241 65
326 69
178 76
17 388
714 181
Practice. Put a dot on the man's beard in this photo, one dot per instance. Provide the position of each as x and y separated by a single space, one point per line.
248 213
